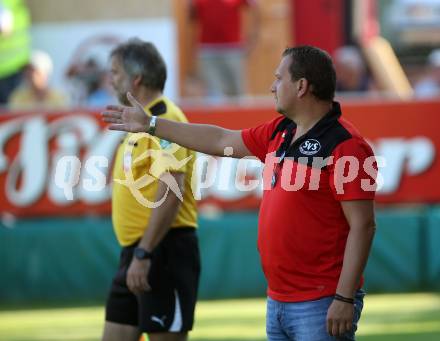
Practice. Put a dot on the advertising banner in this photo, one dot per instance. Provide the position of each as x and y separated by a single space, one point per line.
60 163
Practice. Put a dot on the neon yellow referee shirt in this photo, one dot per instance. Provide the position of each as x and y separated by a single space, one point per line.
140 160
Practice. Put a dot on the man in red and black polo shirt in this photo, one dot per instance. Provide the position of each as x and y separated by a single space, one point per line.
316 219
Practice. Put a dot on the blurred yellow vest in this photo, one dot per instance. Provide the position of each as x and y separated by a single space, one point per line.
15 45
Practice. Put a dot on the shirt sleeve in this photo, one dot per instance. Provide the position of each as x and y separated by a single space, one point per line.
257 138
353 171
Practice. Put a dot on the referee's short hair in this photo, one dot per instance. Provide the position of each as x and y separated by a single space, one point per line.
316 66
140 58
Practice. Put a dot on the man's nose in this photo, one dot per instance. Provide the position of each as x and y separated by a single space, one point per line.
272 88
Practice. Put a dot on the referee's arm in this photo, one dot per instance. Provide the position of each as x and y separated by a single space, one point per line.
159 224
163 216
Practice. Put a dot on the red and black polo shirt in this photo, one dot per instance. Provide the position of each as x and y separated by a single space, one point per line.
302 229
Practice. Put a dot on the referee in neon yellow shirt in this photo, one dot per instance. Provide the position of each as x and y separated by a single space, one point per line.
153 211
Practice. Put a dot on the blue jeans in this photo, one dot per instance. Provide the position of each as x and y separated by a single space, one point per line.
305 321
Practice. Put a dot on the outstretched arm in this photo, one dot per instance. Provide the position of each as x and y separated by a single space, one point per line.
208 139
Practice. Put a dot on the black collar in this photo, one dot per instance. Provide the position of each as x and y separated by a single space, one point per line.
158 108
318 130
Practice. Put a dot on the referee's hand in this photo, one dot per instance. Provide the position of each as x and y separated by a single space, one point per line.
137 275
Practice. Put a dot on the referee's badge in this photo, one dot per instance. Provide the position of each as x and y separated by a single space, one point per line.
164 144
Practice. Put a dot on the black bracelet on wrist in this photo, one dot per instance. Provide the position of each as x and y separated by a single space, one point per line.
343 299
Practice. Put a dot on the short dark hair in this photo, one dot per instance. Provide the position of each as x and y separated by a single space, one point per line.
140 58
316 66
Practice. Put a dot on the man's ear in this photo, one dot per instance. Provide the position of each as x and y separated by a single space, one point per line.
137 80
302 87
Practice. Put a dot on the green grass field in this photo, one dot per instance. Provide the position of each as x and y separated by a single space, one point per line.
402 317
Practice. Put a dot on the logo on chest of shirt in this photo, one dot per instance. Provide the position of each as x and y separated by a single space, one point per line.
164 144
310 147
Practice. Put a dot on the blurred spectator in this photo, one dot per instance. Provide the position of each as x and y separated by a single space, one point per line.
87 73
429 85
14 45
93 83
351 71
223 43
35 92
100 93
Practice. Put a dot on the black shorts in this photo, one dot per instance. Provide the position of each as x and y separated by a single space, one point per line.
173 277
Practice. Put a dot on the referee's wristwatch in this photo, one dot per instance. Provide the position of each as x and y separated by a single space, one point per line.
142 254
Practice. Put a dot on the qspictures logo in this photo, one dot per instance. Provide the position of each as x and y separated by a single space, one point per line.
162 155
163 160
